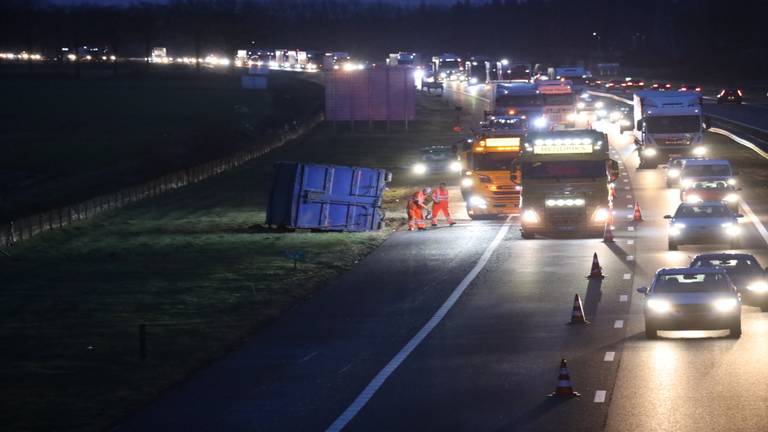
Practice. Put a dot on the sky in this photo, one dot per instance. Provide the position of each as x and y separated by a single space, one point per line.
129 2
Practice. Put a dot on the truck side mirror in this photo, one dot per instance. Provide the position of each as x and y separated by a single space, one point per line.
667 216
639 124
707 123
643 290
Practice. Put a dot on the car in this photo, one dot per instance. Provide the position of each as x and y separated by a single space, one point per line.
730 96
700 169
437 158
701 298
661 86
744 270
634 84
674 167
711 190
706 222
614 85
689 87
586 103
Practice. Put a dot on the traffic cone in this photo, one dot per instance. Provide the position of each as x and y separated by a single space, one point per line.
608 233
577 313
596 272
638 217
564 387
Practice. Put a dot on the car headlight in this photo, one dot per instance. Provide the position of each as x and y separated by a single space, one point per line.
476 201
540 122
625 122
699 151
420 168
673 173
692 199
615 116
759 287
467 182
650 152
581 105
601 215
726 304
732 229
473 81
731 198
530 216
660 306
455 166
686 182
732 181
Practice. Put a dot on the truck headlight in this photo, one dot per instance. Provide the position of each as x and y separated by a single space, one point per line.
725 304
625 122
601 215
540 122
692 199
731 198
455 166
581 105
571 117
659 306
476 201
732 229
732 181
467 182
673 173
758 287
649 152
699 151
686 182
530 216
420 168
599 104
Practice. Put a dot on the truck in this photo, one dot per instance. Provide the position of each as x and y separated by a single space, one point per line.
577 75
516 98
448 67
667 124
476 69
558 102
566 180
404 59
490 183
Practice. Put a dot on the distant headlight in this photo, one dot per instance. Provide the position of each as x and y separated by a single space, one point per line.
732 181
476 201
540 122
693 199
581 105
699 151
650 152
660 306
759 286
732 229
601 215
673 173
530 216
726 304
467 182
455 166
731 198
420 168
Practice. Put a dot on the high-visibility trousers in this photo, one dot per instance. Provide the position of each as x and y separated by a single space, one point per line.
441 207
415 217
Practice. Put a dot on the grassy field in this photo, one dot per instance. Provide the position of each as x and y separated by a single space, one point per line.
194 265
65 139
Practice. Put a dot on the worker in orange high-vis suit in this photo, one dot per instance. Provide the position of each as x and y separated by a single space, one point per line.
415 210
440 204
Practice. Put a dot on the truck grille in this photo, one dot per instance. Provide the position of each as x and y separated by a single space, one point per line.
673 142
566 216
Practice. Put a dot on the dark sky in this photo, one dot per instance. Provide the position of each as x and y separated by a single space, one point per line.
129 2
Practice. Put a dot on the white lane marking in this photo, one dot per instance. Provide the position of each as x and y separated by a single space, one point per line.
362 399
627 276
600 396
627 188
618 324
630 241
609 356
630 228
630 257
629 196
630 216
623 298
755 221
626 180
303 359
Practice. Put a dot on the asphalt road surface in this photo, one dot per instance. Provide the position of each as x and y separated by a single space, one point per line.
463 328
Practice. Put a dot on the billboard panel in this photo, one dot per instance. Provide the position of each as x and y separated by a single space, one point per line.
385 93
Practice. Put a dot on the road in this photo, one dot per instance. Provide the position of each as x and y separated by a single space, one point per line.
463 328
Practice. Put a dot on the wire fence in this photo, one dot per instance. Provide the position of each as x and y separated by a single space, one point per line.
25 228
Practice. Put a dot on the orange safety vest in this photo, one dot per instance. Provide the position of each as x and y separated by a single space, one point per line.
439 196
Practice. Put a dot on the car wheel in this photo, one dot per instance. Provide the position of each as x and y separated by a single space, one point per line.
735 331
671 245
527 235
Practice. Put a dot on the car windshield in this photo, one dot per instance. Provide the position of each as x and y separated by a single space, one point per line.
710 186
492 161
560 170
692 211
558 99
511 101
707 171
686 283
673 124
732 265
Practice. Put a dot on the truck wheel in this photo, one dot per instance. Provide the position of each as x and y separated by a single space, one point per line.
527 235
735 331
671 245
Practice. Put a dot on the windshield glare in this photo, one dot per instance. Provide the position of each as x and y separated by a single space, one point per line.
492 161
703 211
673 124
707 171
735 266
701 282
562 169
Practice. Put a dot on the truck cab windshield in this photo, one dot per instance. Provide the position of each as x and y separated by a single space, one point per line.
493 161
673 124
518 100
449 64
564 170
559 99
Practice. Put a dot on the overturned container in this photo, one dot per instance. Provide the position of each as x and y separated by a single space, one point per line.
326 197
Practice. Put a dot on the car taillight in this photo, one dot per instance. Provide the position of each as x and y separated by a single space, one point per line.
739 92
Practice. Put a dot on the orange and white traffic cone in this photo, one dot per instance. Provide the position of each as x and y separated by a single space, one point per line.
637 217
577 313
564 387
596 272
608 233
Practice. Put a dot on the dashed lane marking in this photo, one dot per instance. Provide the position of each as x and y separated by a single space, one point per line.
623 298
600 396
630 206
362 399
627 276
303 359
609 356
629 196
627 188
618 324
